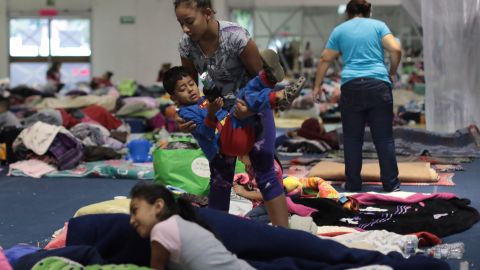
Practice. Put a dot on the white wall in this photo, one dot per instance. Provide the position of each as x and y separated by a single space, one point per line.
299 3
3 39
134 50
129 50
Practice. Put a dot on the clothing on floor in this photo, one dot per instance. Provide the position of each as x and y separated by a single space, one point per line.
83 255
38 137
32 167
113 237
67 150
48 116
286 249
18 251
102 116
98 153
4 264
8 119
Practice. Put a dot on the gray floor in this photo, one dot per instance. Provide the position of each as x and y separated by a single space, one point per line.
32 209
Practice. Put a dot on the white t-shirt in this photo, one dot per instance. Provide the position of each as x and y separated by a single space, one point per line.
193 247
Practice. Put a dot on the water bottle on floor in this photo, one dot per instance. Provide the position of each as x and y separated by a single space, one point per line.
447 251
410 247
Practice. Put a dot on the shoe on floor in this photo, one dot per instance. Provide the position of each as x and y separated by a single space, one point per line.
292 91
395 189
344 187
272 66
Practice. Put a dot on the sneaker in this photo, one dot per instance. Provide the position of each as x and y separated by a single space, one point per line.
292 91
271 65
344 187
395 189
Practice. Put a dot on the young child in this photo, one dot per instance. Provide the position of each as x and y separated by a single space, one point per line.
245 185
218 131
179 240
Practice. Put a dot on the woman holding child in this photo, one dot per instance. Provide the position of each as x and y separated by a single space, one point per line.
226 51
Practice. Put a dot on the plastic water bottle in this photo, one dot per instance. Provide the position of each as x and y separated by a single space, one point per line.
447 251
410 247
163 136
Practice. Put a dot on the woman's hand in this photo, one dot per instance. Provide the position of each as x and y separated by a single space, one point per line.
214 106
317 94
241 110
184 126
393 78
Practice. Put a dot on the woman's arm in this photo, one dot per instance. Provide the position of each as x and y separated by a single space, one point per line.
251 59
159 256
393 47
249 195
327 57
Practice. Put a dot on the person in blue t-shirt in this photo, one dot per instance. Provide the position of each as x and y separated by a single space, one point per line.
366 90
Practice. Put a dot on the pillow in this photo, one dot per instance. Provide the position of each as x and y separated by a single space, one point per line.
131 108
106 207
408 171
328 170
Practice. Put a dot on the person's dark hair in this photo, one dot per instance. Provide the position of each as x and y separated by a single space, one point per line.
109 74
163 69
172 76
54 66
359 7
275 157
202 4
151 192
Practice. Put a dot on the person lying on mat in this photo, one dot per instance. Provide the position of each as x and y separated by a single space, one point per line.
178 238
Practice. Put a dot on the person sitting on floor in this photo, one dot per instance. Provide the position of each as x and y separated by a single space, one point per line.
102 82
245 185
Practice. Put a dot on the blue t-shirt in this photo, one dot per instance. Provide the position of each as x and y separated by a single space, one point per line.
359 41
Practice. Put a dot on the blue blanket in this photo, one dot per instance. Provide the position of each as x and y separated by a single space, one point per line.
263 246
112 236
267 247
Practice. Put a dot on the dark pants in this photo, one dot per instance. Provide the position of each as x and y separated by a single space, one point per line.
222 168
259 214
362 101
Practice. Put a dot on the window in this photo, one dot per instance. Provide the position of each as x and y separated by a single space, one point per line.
35 42
28 37
70 37
244 18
